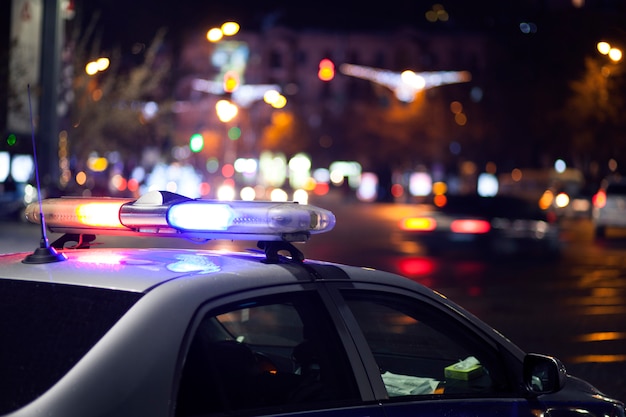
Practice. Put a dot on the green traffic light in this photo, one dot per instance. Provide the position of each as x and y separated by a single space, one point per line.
234 133
196 142
11 139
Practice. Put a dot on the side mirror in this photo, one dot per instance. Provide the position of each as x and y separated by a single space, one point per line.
543 374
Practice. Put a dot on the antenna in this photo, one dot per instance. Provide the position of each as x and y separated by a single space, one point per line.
44 253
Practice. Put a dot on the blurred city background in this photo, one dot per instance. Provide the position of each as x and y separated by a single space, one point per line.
383 102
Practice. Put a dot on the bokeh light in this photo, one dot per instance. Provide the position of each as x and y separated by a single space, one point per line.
214 35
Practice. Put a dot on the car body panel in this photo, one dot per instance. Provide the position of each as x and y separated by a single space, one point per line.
135 368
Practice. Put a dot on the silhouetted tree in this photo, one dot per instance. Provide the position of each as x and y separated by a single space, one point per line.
107 113
594 112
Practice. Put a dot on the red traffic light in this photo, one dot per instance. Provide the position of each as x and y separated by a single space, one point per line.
326 70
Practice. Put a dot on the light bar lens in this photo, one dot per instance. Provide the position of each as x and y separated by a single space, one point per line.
195 215
78 212
244 217
99 214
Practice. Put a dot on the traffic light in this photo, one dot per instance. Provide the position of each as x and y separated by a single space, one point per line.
326 70
234 133
11 139
196 142
231 81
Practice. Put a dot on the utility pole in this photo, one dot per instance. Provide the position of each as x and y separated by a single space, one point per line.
52 37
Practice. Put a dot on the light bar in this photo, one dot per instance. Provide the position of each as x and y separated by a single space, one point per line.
171 215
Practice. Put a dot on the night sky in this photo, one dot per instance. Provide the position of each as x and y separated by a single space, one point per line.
124 22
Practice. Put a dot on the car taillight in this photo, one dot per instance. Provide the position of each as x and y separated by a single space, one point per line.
419 224
472 226
599 199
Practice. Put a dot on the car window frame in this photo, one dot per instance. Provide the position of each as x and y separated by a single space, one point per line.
215 304
505 360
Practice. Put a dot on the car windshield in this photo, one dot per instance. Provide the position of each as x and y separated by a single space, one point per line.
501 206
45 329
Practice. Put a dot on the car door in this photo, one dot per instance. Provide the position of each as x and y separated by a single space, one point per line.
271 351
430 360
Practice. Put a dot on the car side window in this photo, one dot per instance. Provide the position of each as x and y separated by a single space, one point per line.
420 350
264 355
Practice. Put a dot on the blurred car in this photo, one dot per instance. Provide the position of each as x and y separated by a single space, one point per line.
94 331
609 206
14 197
502 224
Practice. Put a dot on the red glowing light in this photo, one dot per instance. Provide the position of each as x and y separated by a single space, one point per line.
321 188
599 199
326 70
440 200
471 226
228 170
205 188
397 190
412 267
133 185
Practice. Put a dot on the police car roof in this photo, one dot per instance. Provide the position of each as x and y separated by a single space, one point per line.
135 270
139 270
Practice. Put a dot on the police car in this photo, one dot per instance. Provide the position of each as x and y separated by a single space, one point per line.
92 331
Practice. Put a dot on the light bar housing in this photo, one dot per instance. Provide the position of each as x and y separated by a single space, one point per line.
161 213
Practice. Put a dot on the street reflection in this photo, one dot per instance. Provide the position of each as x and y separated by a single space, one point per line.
600 296
417 268
601 336
432 272
597 359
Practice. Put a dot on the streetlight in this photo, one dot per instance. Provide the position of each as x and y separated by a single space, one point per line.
275 99
230 28
99 65
226 111
615 54
605 48
227 29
